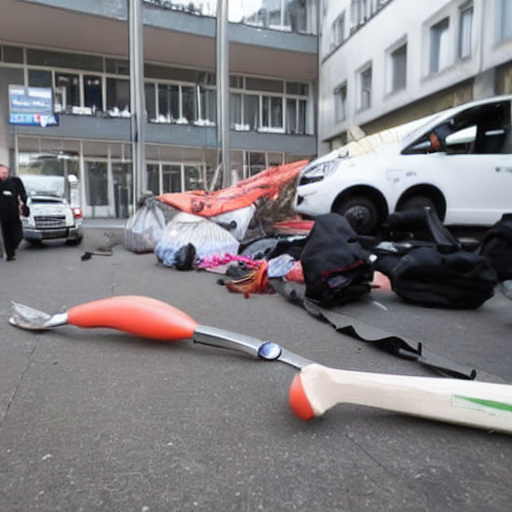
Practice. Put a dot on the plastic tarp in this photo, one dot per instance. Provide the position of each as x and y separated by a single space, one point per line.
265 184
206 236
236 221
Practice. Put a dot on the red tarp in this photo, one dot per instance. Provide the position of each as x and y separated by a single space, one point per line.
265 184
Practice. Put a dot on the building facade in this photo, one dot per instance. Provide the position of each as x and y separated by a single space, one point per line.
79 50
386 62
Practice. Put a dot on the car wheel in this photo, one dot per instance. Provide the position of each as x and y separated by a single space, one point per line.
419 202
361 213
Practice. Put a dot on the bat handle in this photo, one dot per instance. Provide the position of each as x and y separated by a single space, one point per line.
137 315
478 404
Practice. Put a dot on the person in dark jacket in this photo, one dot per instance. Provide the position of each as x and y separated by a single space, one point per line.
12 198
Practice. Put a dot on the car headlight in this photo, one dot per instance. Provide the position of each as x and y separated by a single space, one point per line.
318 172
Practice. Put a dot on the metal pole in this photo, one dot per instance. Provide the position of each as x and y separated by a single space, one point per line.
137 102
223 91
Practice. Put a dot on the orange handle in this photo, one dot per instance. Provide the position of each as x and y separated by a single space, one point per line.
298 400
141 316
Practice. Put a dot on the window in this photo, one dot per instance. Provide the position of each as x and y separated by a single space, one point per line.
150 100
188 104
177 103
365 82
338 30
64 60
117 66
118 94
296 116
505 19
168 102
272 112
439 46
207 104
93 96
38 78
340 103
251 111
96 184
256 162
70 85
171 178
399 68
193 177
153 178
478 131
236 110
465 31
11 54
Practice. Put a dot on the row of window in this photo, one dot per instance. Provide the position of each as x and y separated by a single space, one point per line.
172 95
285 15
360 12
441 55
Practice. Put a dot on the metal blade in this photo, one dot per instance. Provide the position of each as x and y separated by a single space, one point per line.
33 319
259 349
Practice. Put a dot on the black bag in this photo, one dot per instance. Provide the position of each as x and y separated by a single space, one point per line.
185 257
497 246
336 268
436 272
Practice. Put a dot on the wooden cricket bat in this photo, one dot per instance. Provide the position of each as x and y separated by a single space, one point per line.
317 388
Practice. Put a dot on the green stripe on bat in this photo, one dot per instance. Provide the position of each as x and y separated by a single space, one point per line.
480 403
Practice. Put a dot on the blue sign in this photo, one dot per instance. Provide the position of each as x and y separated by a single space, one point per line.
32 106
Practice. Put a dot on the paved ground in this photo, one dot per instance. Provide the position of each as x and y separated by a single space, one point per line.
95 420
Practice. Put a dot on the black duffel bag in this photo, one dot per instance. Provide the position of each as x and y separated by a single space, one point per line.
433 270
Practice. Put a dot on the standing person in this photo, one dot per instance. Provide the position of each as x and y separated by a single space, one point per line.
12 197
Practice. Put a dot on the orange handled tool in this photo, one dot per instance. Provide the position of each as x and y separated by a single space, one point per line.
153 319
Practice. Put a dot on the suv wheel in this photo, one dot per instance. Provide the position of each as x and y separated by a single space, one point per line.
361 213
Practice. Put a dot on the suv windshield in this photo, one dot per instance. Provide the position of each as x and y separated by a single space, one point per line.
37 184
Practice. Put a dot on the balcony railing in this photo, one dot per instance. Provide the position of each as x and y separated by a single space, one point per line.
283 15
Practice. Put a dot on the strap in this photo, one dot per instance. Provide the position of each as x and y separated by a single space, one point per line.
383 340
390 343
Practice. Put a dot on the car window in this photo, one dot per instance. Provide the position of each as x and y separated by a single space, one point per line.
485 129
42 184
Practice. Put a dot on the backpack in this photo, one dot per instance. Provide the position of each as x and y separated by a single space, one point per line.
497 247
433 270
336 268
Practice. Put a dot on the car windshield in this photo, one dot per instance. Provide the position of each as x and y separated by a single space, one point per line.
37 184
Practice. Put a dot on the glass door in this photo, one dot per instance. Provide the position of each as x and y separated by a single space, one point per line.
122 181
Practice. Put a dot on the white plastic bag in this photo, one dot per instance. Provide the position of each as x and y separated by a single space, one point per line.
206 236
144 228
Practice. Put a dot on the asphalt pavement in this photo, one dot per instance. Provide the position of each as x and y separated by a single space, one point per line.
98 420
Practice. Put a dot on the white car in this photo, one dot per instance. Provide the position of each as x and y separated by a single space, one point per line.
51 216
458 162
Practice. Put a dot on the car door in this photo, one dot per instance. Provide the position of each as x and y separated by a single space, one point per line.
469 157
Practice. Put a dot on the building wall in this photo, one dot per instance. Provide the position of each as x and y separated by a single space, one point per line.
179 49
483 72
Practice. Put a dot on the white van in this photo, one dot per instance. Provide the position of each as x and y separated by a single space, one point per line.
458 162
51 215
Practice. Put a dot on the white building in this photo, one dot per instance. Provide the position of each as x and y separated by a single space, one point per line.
384 62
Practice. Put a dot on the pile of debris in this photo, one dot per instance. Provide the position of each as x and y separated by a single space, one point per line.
249 234
209 230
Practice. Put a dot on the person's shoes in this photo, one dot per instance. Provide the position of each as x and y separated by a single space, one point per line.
10 258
